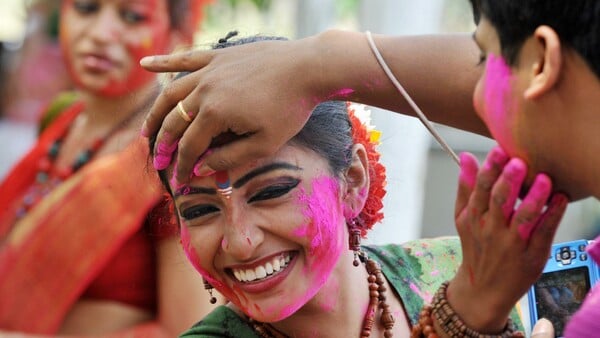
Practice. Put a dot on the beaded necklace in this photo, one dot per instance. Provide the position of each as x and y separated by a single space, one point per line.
377 300
48 176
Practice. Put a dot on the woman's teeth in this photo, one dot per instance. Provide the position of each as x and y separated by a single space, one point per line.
262 271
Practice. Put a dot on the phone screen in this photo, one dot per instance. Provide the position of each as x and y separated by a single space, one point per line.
559 294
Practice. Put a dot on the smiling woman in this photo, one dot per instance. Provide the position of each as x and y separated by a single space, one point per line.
279 237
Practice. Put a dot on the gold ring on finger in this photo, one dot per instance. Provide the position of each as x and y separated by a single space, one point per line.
184 115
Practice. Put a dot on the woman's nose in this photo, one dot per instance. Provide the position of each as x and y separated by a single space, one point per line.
106 26
242 236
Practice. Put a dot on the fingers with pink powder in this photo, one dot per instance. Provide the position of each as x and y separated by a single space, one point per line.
466 181
163 154
528 213
200 168
488 174
506 190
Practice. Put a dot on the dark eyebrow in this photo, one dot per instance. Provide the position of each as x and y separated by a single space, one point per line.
187 190
263 170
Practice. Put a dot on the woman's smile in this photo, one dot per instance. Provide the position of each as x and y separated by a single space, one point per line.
263 275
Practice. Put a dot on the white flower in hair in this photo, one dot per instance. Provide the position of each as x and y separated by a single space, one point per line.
364 116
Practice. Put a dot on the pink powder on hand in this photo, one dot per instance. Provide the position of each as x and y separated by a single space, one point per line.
164 153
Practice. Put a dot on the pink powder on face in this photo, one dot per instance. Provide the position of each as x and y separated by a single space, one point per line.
194 258
325 238
499 105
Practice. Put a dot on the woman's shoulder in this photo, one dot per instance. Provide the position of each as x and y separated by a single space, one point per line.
415 269
221 322
419 250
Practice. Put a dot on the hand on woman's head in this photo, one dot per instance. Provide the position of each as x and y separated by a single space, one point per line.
505 244
210 93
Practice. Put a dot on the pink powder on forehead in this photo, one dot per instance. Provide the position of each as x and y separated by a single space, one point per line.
499 106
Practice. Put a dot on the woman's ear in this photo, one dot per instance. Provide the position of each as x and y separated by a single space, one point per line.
547 63
357 182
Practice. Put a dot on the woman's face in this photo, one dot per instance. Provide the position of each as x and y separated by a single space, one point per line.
273 245
103 41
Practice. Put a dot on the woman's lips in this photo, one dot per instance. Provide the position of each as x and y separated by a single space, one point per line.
265 275
97 63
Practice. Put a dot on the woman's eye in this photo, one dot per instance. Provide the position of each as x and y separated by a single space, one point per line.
133 17
86 7
197 211
274 191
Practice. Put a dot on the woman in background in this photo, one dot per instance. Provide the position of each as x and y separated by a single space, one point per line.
86 245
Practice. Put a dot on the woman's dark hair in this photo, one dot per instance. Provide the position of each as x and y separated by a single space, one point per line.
328 131
577 23
179 13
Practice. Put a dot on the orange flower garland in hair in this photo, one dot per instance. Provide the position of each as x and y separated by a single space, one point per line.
363 133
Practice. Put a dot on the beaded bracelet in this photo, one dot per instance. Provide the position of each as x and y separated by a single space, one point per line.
451 323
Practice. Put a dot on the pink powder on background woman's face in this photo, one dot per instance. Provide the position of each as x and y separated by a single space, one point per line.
120 43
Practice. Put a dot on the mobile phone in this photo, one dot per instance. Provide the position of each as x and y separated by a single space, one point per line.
568 276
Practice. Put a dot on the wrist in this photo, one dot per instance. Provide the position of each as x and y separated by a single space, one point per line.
338 51
440 320
484 311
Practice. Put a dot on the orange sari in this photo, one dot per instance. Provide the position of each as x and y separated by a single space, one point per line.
50 256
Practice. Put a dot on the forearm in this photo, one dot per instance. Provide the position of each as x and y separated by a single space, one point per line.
438 71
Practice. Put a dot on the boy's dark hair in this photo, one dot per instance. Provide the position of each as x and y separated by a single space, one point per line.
577 23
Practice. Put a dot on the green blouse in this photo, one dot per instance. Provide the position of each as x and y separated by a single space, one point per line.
415 270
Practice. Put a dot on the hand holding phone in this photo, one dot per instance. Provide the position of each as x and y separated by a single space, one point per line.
567 277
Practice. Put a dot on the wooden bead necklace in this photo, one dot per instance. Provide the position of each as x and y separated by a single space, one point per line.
377 299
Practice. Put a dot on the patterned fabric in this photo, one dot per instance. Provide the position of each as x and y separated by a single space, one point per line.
415 270
52 255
